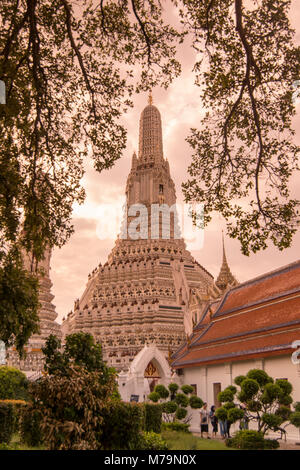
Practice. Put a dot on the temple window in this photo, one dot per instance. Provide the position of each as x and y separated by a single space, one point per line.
161 189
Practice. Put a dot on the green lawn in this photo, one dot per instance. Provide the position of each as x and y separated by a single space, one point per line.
175 440
186 441
16 444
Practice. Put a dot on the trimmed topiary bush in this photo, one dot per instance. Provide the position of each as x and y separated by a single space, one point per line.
154 396
196 402
181 413
187 389
122 426
162 391
182 400
271 444
153 416
246 440
169 407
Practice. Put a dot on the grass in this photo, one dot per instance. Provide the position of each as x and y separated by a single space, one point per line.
187 441
175 440
17 444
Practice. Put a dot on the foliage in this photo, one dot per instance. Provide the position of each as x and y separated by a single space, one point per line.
196 402
295 419
246 440
153 417
265 402
297 406
225 395
169 407
162 391
244 154
121 426
154 396
173 387
6 422
13 384
180 413
30 427
151 441
182 400
68 70
71 407
221 414
187 389
271 444
175 426
19 298
79 349
174 408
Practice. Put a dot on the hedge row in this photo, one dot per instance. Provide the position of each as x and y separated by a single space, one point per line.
125 425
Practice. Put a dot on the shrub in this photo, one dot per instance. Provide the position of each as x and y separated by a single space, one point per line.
231 388
13 384
71 407
225 395
249 387
234 414
151 441
121 426
175 426
169 407
271 444
196 402
285 385
246 440
6 422
260 376
182 400
187 389
295 419
181 413
239 379
154 396
221 413
273 421
30 427
162 391
173 387
153 416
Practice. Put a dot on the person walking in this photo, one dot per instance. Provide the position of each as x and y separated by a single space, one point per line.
204 415
213 420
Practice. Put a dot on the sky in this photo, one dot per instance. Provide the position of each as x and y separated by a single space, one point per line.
180 108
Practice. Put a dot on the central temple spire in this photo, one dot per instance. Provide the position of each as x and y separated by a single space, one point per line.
150 134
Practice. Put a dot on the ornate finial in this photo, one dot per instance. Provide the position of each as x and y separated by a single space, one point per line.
150 99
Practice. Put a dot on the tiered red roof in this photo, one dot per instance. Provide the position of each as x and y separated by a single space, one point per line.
258 318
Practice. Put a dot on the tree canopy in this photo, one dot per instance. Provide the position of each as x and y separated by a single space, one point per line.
70 69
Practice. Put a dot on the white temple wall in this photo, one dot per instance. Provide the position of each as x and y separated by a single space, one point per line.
205 377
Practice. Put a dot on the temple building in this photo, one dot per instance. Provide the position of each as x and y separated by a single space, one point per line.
32 364
255 325
141 304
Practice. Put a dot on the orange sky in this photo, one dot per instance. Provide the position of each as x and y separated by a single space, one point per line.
180 109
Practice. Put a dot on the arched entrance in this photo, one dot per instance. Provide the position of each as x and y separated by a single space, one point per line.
152 375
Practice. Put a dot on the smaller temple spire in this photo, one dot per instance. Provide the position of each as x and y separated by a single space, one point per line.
150 98
225 278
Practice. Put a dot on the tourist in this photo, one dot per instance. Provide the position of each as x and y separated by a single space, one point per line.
214 421
204 420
